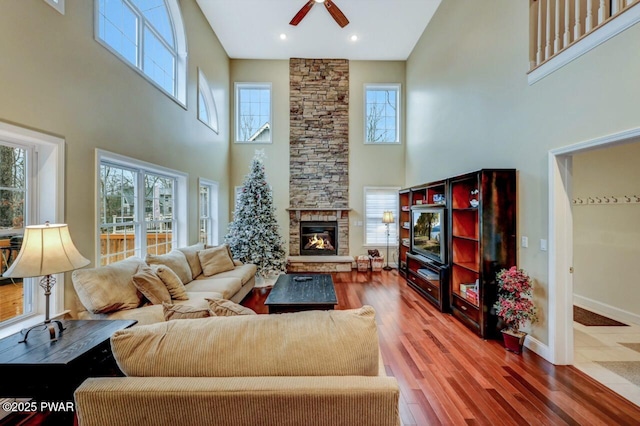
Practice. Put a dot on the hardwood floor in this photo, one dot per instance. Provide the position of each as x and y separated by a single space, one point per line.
448 375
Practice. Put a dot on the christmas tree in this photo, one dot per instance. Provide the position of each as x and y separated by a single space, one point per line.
253 235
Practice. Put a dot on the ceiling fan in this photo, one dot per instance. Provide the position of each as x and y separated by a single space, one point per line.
331 7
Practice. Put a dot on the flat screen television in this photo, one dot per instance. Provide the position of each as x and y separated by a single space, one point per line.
428 236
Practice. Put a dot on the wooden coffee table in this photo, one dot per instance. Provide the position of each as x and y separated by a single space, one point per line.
302 292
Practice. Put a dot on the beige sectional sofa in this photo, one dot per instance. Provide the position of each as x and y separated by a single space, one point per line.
108 292
305 368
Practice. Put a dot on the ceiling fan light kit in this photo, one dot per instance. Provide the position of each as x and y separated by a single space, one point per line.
331 7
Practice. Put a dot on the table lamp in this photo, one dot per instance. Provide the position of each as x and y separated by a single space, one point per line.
46 250
387 218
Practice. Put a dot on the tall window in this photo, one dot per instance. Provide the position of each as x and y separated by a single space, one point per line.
376 201
253 112
138 209
31 172
208 207
149 36
382 113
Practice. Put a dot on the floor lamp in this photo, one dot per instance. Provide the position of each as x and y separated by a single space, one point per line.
46 250
387 219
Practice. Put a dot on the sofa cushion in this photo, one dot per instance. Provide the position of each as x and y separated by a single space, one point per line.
312 343
151 314
227 308
172 282
225 286
191 253
108 288
150 285
176 261
215 260
245 272
172 312
208 246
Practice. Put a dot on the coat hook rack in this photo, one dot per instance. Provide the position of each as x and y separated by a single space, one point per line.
606 199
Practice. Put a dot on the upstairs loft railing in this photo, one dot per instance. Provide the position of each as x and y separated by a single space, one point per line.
556 25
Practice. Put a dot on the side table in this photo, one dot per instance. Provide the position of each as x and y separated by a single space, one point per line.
48 370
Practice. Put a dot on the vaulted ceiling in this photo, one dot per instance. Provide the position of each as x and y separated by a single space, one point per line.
385 29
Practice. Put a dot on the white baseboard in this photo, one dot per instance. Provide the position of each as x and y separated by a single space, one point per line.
538 347
606 310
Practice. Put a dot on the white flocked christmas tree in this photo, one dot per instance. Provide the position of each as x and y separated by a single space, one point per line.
253 235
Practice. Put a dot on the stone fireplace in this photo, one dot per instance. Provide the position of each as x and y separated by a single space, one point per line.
319 160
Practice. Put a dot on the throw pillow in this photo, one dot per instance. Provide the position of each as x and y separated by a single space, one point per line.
172 312
151 286
215 260
108 288
191 253
175 260
226 308
172 282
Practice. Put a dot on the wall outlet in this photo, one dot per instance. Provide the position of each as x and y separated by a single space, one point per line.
543 245
524 241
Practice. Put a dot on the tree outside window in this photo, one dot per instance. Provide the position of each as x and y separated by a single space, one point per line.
382 113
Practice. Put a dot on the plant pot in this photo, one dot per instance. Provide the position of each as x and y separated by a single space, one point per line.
513 340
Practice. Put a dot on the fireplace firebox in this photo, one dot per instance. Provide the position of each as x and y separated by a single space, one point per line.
318 238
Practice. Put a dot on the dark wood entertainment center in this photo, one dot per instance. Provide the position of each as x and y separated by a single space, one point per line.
480 237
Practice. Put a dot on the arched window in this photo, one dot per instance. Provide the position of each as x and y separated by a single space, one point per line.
207 110
149 36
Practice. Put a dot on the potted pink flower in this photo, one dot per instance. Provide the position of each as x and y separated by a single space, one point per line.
514 306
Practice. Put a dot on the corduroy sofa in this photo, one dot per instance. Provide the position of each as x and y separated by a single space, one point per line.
305 368
108 292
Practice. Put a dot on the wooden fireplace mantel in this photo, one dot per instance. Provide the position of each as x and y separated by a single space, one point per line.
298 210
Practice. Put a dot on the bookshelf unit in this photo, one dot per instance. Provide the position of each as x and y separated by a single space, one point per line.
433 193
481 240
404 223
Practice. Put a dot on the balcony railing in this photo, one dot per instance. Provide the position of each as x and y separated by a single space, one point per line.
558 25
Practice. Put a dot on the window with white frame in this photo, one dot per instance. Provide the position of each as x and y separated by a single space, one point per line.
378 200
139 208
31 169
149 36
207 110
57 5
253 112
208 208
382 113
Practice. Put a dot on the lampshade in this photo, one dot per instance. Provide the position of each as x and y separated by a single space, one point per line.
387 217
46 249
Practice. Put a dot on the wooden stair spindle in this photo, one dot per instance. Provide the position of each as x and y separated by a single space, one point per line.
539 44
567 23
547 49
602 12
588 25
556 41
577 29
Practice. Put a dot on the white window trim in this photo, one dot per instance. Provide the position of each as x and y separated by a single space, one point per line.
248 85
175 16
57 5
389 86
213 209
392 242
180 200
47 205
209 100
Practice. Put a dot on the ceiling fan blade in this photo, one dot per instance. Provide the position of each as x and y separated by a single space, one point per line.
336 13
302 12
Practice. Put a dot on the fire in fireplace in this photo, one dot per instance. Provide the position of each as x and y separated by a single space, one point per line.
318 238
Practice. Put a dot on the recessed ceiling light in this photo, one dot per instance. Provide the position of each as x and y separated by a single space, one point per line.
354 37
283 36
319 1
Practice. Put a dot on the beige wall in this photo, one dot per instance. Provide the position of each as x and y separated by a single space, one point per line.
371 165
470 107
606 236
55 78
368 165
